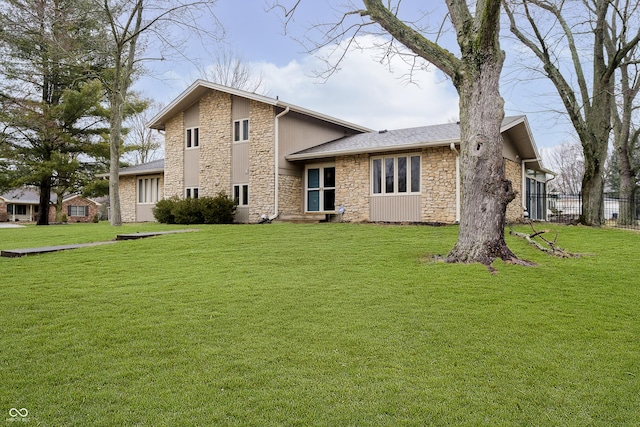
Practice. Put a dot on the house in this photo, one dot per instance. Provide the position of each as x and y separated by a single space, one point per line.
276 158
23 204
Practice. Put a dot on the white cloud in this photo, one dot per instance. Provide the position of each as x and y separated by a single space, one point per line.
364 91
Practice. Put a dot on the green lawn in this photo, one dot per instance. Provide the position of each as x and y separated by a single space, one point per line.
327 325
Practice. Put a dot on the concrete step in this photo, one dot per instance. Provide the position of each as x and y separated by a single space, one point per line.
301 218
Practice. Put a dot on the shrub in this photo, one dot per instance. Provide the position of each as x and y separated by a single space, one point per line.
188 211
218 210
205 210
163 211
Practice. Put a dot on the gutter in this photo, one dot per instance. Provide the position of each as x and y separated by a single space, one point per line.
276 167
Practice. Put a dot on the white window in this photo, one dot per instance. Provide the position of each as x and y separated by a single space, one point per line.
191 193
148 190
192 138
78 210
241 194
320 188
395 175
241 130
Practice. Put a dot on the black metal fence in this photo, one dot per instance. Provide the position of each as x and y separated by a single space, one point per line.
567 208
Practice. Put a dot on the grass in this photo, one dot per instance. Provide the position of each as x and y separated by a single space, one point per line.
329 324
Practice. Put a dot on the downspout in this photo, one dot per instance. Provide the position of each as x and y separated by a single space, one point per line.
453 148
276 167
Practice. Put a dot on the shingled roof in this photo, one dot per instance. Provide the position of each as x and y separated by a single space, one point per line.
400 139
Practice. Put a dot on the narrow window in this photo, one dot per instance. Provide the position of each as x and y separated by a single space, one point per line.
388 175
241 130
377 176
402 174
415 174
192 138
245 194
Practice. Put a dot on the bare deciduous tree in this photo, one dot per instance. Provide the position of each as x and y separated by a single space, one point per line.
475 72
142 144
136 27
567 160
229 69
580 45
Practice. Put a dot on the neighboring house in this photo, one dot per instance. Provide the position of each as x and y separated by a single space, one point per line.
278 158
23 204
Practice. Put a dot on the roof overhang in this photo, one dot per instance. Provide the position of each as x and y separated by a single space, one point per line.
200 87
368 150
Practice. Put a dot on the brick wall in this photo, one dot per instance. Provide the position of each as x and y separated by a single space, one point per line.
3 211
75 201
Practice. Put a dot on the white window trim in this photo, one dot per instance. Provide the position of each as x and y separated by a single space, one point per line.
195 143
189 193
243 189
155 190
395 192
239 138
320 166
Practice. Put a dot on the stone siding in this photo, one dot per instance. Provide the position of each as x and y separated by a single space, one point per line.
215 144
513 172
128 198
290 195
173 159
353 186
261 160
438 185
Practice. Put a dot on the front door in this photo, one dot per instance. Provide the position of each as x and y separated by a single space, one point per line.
320 189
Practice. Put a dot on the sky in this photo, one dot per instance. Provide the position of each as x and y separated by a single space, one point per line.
363 91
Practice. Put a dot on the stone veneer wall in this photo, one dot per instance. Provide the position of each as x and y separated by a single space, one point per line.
290 195
352 186
173 158
215 144
261 160
438 185
513 172
128 198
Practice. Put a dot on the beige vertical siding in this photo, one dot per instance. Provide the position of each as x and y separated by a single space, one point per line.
239 108
297 132
395 208
192 116
191 167
240 163
242 214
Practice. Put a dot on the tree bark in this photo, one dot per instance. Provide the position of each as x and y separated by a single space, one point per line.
485 192
44 201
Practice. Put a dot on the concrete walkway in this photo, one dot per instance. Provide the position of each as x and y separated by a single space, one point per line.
14 253
10 225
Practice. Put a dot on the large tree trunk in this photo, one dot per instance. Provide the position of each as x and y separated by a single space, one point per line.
45 200
114 163
485 190
593 189
627 213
